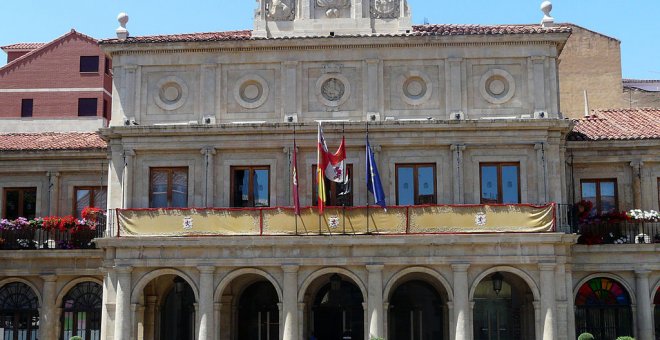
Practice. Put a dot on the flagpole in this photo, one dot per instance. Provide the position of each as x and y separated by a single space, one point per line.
368 150
295 207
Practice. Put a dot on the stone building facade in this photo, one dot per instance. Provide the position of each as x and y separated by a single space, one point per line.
464 121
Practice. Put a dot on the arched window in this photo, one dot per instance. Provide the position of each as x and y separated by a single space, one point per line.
81 311
19 316
602 308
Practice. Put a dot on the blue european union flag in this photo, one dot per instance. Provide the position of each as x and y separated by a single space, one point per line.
373 178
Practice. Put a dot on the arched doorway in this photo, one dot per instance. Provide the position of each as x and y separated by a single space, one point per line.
178 312
503 308
258 313
603 308
81 311
19 315
336 310
417 311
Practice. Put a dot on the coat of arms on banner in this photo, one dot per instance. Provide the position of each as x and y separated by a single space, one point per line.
333 222
480 219
187 223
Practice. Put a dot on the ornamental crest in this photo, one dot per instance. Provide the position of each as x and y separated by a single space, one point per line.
480 219
333 222
187 223
333 6
385 9
280 10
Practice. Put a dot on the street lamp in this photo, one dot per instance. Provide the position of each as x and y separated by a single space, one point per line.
335 282
497 282
179 285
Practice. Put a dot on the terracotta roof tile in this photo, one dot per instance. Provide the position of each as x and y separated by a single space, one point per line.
51 141
22 46
618 124
418 30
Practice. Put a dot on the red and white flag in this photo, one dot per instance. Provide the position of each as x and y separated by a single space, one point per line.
294 181
329 165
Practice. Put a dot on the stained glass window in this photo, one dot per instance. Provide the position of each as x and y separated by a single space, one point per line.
81 311
603 309
19 316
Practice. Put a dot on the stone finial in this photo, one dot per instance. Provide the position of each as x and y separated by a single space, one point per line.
122 32
548 21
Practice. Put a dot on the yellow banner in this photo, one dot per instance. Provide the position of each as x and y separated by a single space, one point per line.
334 221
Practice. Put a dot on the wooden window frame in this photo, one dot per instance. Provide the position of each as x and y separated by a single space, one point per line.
598 206
169 183
416 166
25 104
251 169
21 200
331 186
500 192
91 197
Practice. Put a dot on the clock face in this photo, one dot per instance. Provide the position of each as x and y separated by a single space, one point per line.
333 89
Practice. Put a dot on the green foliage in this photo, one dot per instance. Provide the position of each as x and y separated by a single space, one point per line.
76 338
375 338
586 336
625 338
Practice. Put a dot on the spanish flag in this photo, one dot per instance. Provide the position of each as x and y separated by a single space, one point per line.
331 166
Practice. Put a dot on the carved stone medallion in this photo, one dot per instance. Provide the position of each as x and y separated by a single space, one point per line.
251 91
497 86
333 6
385 9
280 10
332 89
172 93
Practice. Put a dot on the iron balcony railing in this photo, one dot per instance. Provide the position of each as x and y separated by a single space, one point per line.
27 237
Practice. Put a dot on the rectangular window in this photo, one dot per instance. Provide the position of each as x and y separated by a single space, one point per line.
168 187
108 65
250 186
336 194
106 108
19 202
602 193
89 63
95 197
26 107
87 107
500 183
415 184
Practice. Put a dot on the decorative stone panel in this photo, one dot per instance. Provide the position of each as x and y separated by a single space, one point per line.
280 10
385 9
413 87
172 93
252 91
333 87
167 94
497 87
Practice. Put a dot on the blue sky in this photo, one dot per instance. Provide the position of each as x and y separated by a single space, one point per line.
633 22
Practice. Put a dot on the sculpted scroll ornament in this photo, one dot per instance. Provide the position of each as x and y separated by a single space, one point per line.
333 6
384 9
280 10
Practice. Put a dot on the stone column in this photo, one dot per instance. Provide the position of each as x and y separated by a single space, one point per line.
123 305
150 317
570 303
217 310
457 173
206 324
541 173
375 300
137 311
53 192
129 161
644 306
47 317
209 191
290 302
548 300
637 183
461 301
109 289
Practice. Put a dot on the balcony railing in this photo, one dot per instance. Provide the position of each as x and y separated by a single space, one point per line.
427 219
27 237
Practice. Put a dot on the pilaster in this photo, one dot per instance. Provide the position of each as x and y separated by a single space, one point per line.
208 153
541 172
457 178
548 301
290 301
462 308
53 192
47 319
637 183
129 161
375 300
123 322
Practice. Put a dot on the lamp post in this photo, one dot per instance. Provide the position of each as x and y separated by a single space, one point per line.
497 282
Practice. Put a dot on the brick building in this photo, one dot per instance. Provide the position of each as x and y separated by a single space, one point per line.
63 85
